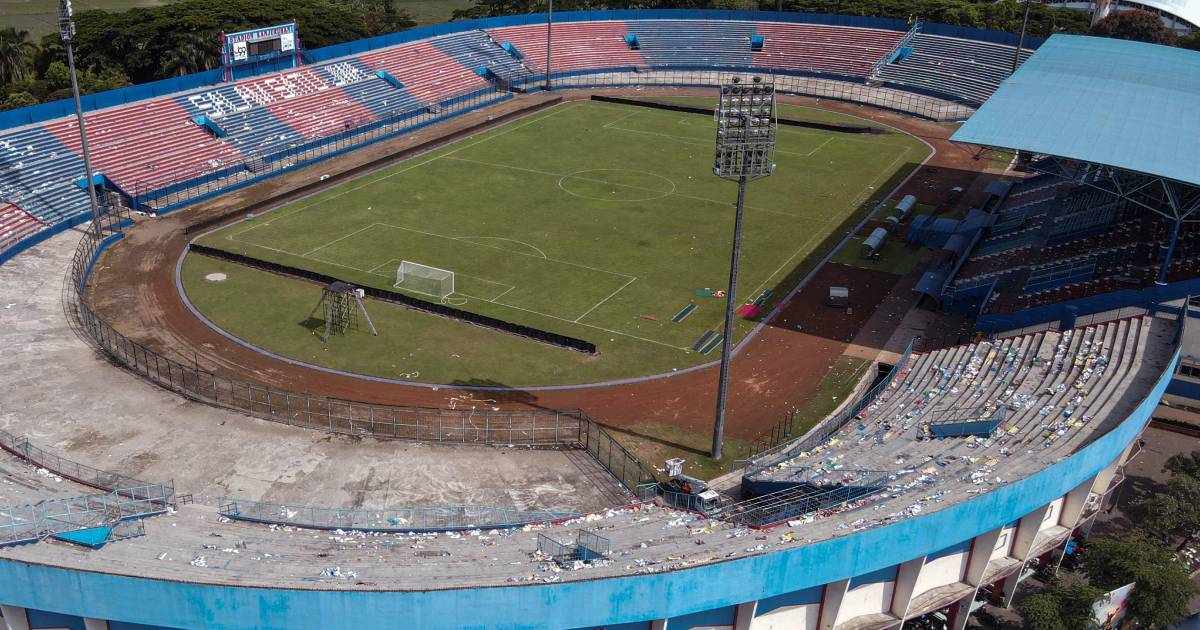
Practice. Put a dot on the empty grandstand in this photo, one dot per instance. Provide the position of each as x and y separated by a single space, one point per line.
157 154
958 471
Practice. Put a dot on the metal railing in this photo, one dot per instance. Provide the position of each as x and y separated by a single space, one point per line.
587 546
805 499
30 523
877 70
393 519
75 471
830 425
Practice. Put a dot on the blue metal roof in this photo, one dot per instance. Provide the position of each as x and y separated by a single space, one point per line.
1126 104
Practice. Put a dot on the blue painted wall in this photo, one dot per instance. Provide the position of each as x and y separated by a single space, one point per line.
798 598
46 619
569 604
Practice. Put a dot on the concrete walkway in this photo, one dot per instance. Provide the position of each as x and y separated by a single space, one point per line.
66 398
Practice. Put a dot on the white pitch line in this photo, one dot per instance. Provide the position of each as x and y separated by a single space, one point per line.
676 193
467 145
854 203
696 142
597 304
501 238
493 300
607 330
508 251
338 239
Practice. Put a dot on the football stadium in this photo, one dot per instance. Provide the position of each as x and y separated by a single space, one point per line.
405 331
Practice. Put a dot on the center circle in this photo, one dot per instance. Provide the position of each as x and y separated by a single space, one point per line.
616 184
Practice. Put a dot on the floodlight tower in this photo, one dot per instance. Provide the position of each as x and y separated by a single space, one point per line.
549 38
66 30
746 127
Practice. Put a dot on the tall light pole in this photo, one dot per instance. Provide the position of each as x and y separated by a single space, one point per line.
66 30
1021 38
549 38
745 150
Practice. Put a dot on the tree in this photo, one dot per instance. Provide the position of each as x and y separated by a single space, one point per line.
1162 586
192 52
1174 513
1191 42
57 77
16 53
1136 25
1065 605
139 41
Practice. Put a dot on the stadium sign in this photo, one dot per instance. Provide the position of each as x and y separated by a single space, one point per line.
259 44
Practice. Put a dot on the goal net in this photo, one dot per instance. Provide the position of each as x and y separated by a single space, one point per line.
424 279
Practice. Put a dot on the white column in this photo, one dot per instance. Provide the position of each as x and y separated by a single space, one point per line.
906 582
982 549
831 603
744 615
15 617
1072 507
658 624
95 624
1027 531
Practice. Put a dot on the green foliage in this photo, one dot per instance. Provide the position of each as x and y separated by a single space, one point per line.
146 43
1191 42
1066 604
18 99
1137 25
1005 15
492 8
16 53
56 77
1174 513
1163 588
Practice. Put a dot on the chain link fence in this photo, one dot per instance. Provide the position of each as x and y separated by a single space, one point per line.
30 523
526 427
926 106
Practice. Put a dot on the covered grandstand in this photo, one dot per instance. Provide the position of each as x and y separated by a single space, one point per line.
1110 203
963 468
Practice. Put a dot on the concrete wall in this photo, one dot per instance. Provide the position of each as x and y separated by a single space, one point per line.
887 564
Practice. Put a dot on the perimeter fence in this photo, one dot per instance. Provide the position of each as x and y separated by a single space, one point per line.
849 89
484 426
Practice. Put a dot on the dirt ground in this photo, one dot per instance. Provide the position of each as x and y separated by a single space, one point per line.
134 289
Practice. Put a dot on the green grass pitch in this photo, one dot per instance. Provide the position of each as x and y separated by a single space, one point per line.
593 220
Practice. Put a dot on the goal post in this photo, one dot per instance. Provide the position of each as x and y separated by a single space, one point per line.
424 279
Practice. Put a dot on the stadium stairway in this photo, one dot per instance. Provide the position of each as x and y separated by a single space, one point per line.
1047 387
965 69
835 50
38 173
576 46
671 43
427 73
145 143
15 225
477 50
